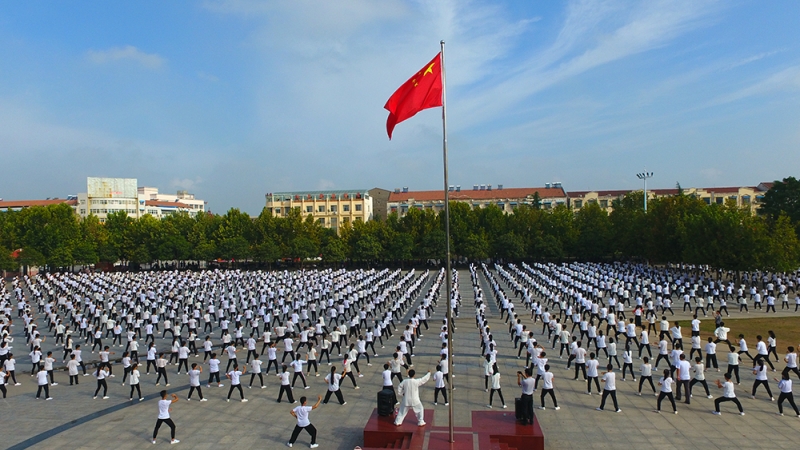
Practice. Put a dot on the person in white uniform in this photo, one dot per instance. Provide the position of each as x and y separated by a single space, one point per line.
409 389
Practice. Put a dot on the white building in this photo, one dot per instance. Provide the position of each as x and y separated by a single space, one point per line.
105 196
167 203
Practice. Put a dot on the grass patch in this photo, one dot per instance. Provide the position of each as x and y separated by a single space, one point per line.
787 331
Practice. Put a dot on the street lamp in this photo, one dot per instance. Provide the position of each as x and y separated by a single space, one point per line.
644 176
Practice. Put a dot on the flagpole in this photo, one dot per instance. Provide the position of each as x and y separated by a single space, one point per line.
450 325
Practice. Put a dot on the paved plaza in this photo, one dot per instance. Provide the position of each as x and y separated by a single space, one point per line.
74 420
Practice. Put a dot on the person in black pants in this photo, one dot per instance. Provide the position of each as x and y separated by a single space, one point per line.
163 416
610 388
303 422
526 382
785 386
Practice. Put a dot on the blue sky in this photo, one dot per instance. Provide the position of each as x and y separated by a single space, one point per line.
234 99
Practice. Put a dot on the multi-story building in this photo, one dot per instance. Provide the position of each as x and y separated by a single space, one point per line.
480 196
742 196
105 196
160 205
330 208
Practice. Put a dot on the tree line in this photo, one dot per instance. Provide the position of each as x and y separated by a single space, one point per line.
679 228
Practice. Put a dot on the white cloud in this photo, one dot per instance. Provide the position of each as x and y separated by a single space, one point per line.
186 183
126 53
782 81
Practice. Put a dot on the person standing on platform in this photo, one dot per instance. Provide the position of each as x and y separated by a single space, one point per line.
409 389
303 423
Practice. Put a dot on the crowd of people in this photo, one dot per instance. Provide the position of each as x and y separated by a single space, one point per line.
148 330
617 309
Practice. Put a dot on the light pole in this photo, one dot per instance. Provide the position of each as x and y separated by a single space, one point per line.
644 176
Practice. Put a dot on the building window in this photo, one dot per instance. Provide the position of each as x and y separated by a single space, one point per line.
333 221
604 204
321 221
309 209
719 200
321 208
277 210
333 208
358 218
707 200
358 208
578 204
746 199
346 208
83 211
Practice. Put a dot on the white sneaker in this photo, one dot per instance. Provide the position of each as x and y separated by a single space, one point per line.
263 387
288 444
53 384
557 408
174 441
542 407
505 406
717 413
314 445
203 399
49 398
360 376
488 406
244 400
710 396
741 413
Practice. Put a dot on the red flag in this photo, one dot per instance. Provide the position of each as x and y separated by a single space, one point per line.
422 91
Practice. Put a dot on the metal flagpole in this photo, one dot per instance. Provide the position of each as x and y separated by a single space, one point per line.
448 276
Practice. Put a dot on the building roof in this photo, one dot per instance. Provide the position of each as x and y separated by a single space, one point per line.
495 194
766 185
13 204
317 193
725 190
611 193
163 204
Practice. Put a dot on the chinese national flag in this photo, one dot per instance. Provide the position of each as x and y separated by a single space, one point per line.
422 91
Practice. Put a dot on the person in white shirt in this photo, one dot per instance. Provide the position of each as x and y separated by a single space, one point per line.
285 388
683 373
303 422
234 376
439 386
3 380
163 416
791 362
495 378
41 381
760 371
609 388
255 369
334 380
213 371
591 374
785 386
666 383
728 395
134 373
194 382
699 377
711 354
548 388
762 353
646 373
101 373
72 369
409 389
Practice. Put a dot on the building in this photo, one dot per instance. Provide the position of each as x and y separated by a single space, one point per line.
106 196
159 205
480 196
16 205
380 202
742 196
330 208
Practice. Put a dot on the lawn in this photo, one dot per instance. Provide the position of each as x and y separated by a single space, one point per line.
787 331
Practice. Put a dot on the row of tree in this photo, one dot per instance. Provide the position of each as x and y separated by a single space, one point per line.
680 228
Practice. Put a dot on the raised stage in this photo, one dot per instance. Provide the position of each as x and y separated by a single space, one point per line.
490 430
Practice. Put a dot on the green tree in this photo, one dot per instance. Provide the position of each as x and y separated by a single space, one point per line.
782 198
